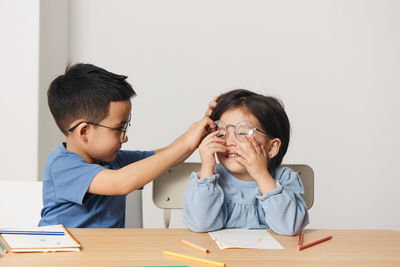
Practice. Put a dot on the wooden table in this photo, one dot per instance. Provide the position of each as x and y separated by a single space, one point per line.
130 247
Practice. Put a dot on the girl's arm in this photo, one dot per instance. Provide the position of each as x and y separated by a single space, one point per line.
204 209
285 210
203 202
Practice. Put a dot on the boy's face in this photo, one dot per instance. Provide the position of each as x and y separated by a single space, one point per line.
104 143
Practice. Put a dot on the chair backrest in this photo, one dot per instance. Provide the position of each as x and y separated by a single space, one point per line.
134 210
21 203
169 188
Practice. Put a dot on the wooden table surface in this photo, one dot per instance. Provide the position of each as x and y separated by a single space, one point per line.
143 247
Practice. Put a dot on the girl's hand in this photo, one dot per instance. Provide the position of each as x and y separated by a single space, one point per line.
208 147
253 157
255 160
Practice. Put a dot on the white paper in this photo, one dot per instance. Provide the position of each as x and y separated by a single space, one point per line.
245 238
21 243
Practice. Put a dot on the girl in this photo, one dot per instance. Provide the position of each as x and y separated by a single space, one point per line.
248 189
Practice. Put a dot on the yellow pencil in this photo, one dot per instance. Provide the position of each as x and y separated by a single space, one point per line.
192 245
181 256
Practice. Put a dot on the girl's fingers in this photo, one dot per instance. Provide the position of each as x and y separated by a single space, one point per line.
241 161
241 153
254 144
211 137
246 146
263 151
217 149
214 147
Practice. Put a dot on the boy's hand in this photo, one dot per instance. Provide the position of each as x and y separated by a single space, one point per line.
211 107
208 147
196 132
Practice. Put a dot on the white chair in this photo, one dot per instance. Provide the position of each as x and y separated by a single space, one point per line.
169 188
133 210
21 203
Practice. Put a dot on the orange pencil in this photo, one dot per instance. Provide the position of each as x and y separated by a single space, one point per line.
191 245
314 243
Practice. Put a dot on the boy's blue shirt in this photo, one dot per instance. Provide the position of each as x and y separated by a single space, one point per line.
66 179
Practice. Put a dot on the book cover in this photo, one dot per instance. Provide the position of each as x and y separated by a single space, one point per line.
20 242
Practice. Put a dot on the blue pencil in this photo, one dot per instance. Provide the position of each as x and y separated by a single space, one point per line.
14 232
3 248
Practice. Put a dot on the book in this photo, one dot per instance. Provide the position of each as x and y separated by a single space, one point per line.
245 238
40 239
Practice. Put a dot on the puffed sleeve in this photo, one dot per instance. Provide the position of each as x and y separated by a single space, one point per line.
204 208
285 210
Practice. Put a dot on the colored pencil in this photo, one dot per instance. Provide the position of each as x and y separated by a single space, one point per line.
300 243
194 246
314 243
15 232
181 256
3 248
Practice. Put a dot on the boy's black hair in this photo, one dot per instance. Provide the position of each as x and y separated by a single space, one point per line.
268 110
85 92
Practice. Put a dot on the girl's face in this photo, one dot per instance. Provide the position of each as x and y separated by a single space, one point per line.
235 117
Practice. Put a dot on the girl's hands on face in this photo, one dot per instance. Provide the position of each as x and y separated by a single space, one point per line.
207 149
253 157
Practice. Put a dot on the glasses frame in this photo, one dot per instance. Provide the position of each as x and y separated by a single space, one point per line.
123 130
249 133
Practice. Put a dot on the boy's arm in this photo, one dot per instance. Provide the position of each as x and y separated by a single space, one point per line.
140 173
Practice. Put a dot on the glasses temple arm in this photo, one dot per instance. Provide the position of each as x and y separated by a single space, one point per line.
261 131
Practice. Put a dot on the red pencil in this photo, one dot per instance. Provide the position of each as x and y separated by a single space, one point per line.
300 243
314 243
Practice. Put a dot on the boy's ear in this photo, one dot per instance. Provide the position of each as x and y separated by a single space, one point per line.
82 130
274 146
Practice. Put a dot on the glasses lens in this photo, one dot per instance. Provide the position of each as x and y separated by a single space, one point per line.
243 130
124 133
242 133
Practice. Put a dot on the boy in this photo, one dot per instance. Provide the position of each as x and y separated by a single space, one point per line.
86 179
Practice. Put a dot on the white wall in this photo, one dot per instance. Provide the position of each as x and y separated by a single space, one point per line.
19 68
33 50
53 59
335 64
